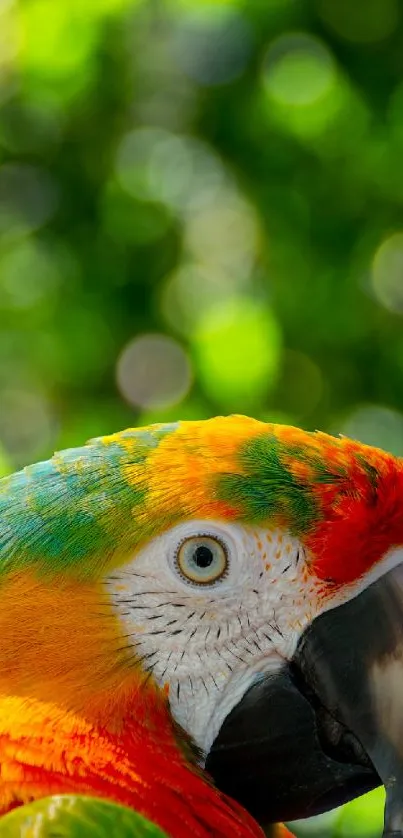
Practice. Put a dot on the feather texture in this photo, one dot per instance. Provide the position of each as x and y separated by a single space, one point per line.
87 509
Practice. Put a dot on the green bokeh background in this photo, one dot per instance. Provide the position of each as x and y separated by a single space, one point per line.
201 212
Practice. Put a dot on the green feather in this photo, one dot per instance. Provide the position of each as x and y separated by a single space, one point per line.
266 488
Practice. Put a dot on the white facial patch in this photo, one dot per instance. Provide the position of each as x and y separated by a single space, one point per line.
208 641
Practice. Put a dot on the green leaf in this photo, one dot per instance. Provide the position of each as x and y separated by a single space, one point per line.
73 816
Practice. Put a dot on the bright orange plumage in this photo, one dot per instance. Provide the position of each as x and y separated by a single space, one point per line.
46 751
76 716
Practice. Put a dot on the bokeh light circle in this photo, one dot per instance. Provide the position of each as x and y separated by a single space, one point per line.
387 273
238 350
27 423
376 425
300 385
153 371
29 275
180 171
195 289
224 235
28 199
299 70
212 45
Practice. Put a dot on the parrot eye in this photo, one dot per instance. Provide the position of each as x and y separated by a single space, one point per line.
202 559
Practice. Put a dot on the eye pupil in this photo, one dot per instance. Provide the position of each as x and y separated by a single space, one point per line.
202 559
203 556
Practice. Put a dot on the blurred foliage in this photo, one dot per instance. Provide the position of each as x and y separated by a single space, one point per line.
201 211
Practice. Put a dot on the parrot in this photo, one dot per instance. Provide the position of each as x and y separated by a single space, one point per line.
201 626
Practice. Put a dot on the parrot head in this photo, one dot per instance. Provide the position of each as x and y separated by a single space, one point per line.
242 578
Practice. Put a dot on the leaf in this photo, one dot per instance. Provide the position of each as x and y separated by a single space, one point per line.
76 816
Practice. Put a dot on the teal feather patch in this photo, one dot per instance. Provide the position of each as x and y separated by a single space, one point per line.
71 513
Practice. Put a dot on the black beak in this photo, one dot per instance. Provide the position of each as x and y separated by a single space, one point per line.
328 726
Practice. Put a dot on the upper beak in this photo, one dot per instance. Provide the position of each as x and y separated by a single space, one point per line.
329 725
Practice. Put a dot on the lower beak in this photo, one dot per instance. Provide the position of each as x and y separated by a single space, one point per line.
329 725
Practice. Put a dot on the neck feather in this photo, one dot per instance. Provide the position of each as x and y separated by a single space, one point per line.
78 715
45 750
